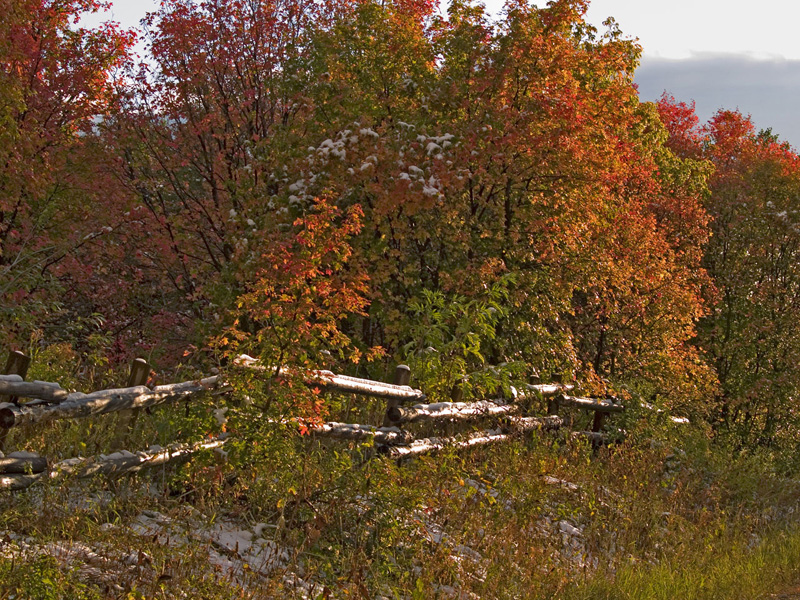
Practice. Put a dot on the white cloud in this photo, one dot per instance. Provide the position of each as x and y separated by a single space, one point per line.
676 28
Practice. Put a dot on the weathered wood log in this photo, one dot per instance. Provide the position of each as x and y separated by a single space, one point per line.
546 389
455 411
434 444
79 405
17 481
599 404
117 464
23 464
138 375
353 431
674 419
127 463
527 424
354 385
16 366
551 391
344 383
599 419
13 378
509 430
42 390
402 376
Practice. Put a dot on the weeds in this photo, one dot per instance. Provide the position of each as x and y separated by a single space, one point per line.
285 516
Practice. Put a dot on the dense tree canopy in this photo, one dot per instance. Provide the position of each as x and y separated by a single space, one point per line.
316 182
56 79
751 338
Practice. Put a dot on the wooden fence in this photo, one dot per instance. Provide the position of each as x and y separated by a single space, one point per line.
37 402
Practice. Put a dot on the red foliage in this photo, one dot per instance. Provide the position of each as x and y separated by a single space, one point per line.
55 81
685 135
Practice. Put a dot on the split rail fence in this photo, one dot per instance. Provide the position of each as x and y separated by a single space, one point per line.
30 403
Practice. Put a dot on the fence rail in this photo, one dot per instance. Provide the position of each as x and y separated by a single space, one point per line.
78 405
342 383
28 471
451 411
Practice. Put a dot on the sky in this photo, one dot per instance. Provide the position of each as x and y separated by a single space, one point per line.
732 54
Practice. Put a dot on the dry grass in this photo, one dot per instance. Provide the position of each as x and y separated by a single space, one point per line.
657 517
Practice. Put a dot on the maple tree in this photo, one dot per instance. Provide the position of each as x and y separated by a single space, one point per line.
55 81
484 150
753 335
292 308
448 155
476 150
195 142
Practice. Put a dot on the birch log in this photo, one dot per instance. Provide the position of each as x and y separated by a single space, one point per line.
17 364
546 389
599 404
117 464
434 444
454 411
402 376
17 481
344 383
353 431
674 419
354 385
138 375
126 463
511 429
78 405
528 424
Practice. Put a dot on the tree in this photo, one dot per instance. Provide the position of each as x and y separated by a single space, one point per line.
479 152
518 148
752 337
55 81
206 140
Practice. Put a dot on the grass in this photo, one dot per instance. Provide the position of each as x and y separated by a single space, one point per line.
735 571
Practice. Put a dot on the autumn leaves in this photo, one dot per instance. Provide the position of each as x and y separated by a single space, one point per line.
295 175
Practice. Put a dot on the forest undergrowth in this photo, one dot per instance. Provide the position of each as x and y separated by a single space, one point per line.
663 514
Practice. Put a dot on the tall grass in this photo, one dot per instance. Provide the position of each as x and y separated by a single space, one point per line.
664 515
735 571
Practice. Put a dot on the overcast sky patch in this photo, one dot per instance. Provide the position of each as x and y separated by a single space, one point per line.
766 89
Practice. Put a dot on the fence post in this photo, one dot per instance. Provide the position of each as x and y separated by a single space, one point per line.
402 376
17 364
138 375
552 403
599 418
597 426
456 395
